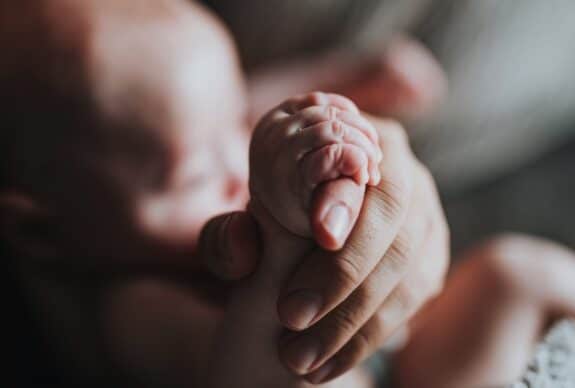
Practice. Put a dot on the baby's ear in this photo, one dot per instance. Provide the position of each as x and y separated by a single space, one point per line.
25 227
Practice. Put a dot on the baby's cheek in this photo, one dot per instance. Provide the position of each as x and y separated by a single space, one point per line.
179 218
334 161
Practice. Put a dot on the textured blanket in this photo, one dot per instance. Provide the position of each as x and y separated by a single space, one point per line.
553 365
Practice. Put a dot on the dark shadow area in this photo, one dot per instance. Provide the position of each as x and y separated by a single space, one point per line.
538 199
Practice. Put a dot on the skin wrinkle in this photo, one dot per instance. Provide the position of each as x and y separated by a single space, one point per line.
400 302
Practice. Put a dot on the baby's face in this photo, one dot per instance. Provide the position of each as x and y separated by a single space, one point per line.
190 108
168 148
199 128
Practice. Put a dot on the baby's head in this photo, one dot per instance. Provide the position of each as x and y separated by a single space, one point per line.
125 129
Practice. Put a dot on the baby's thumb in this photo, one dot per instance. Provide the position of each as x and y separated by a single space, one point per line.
335 208
229 245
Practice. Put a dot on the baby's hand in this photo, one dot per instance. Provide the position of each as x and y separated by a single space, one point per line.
308 149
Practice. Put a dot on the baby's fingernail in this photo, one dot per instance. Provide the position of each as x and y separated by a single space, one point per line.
376 176
336 221
299 309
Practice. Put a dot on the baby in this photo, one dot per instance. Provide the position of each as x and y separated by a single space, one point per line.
126 139
122 134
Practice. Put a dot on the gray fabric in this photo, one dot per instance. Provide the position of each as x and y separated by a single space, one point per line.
553 365
512 88
536 200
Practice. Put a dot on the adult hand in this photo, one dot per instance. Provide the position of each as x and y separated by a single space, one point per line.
347 303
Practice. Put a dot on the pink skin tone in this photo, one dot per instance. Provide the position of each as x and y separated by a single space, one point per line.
306 142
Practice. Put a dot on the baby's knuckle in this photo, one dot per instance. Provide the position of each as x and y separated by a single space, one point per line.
323 132
330 112
317 98
333 154
338 129
324 165
315 115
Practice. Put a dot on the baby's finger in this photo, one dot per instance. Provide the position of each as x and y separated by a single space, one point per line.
364 125
318 114
361 123
303 101
329 133
330 163
313 116
335 208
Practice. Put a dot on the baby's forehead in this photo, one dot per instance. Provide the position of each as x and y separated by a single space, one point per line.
137 80
181 65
